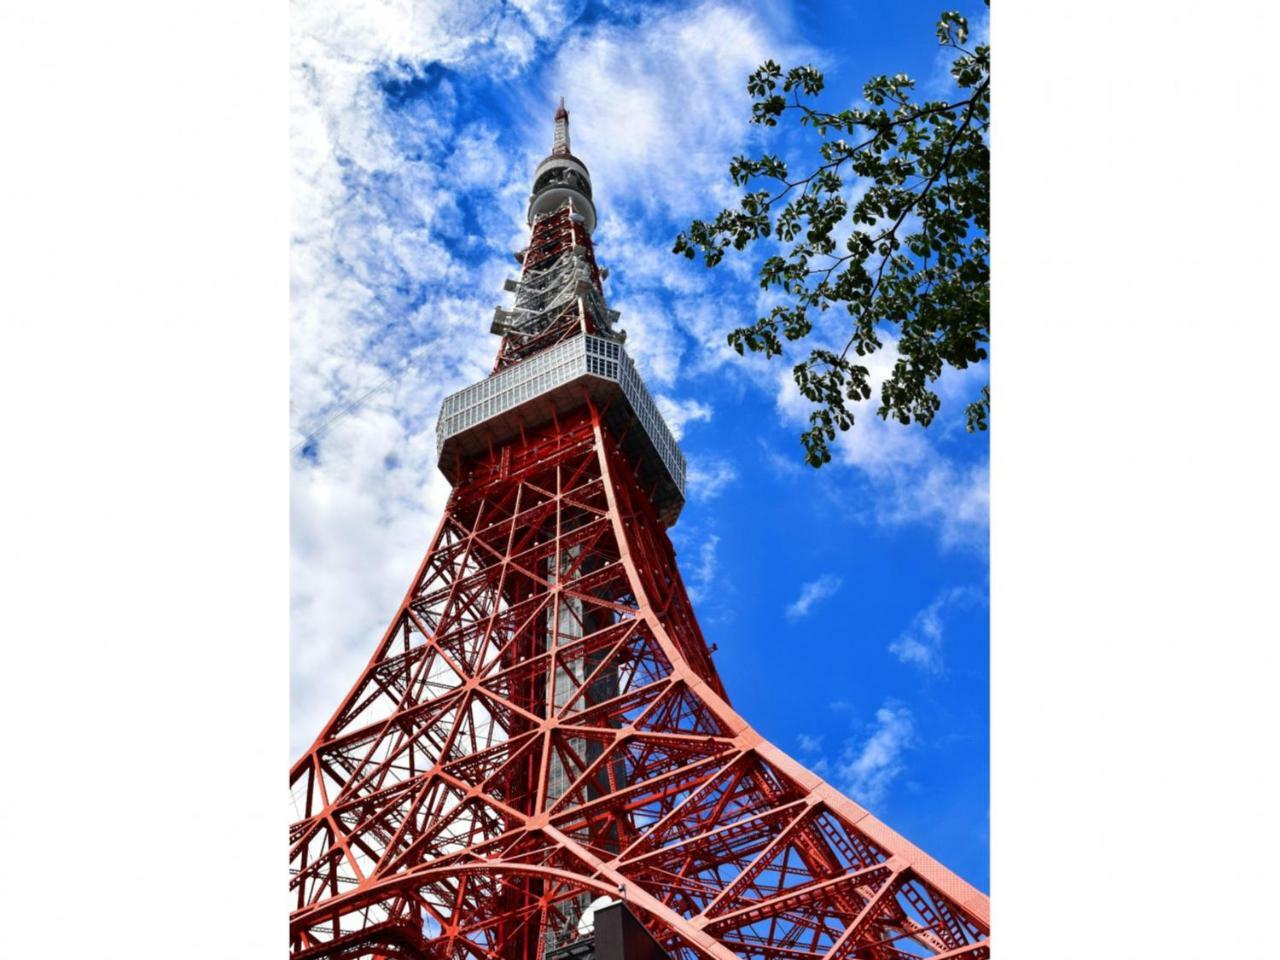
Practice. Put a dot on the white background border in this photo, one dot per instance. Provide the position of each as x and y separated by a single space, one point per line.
144 230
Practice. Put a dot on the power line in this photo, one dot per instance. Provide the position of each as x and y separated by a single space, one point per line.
350 407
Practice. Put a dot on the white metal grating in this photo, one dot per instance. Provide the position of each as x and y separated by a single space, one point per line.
549 369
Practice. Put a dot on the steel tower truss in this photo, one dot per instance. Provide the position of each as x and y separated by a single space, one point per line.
542 724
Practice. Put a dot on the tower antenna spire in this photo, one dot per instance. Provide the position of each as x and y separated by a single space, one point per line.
560 143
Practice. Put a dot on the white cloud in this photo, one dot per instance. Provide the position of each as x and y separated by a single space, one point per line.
477 160
921 642
707 322
911 480
812 592
380 220
954 499
808 744
873 445
371 215
677 413
645 261
652 340
866 768
546 18
706 477
663 103
703 572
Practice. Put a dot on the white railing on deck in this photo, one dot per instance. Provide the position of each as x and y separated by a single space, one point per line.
549 369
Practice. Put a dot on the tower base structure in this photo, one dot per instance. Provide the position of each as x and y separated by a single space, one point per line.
542 726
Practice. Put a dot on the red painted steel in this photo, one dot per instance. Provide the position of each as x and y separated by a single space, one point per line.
542 725
553 238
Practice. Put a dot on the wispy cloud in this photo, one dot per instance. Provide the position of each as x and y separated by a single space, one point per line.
868 766
863 766
780 463
809 747
951 497
680 75
808 743
704 571
811 593
677 413
920 644
707 476
911 480
653 340
385 265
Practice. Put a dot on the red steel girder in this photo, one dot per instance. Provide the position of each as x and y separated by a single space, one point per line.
542 724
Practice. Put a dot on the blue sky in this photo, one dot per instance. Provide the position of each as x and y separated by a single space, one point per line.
848 604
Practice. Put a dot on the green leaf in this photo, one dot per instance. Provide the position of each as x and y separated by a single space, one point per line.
908 257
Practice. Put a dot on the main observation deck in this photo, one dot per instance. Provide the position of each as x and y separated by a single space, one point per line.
497 409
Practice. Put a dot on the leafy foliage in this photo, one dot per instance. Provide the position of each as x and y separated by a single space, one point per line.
910 255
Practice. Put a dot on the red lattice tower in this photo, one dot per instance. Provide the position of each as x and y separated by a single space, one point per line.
541 727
